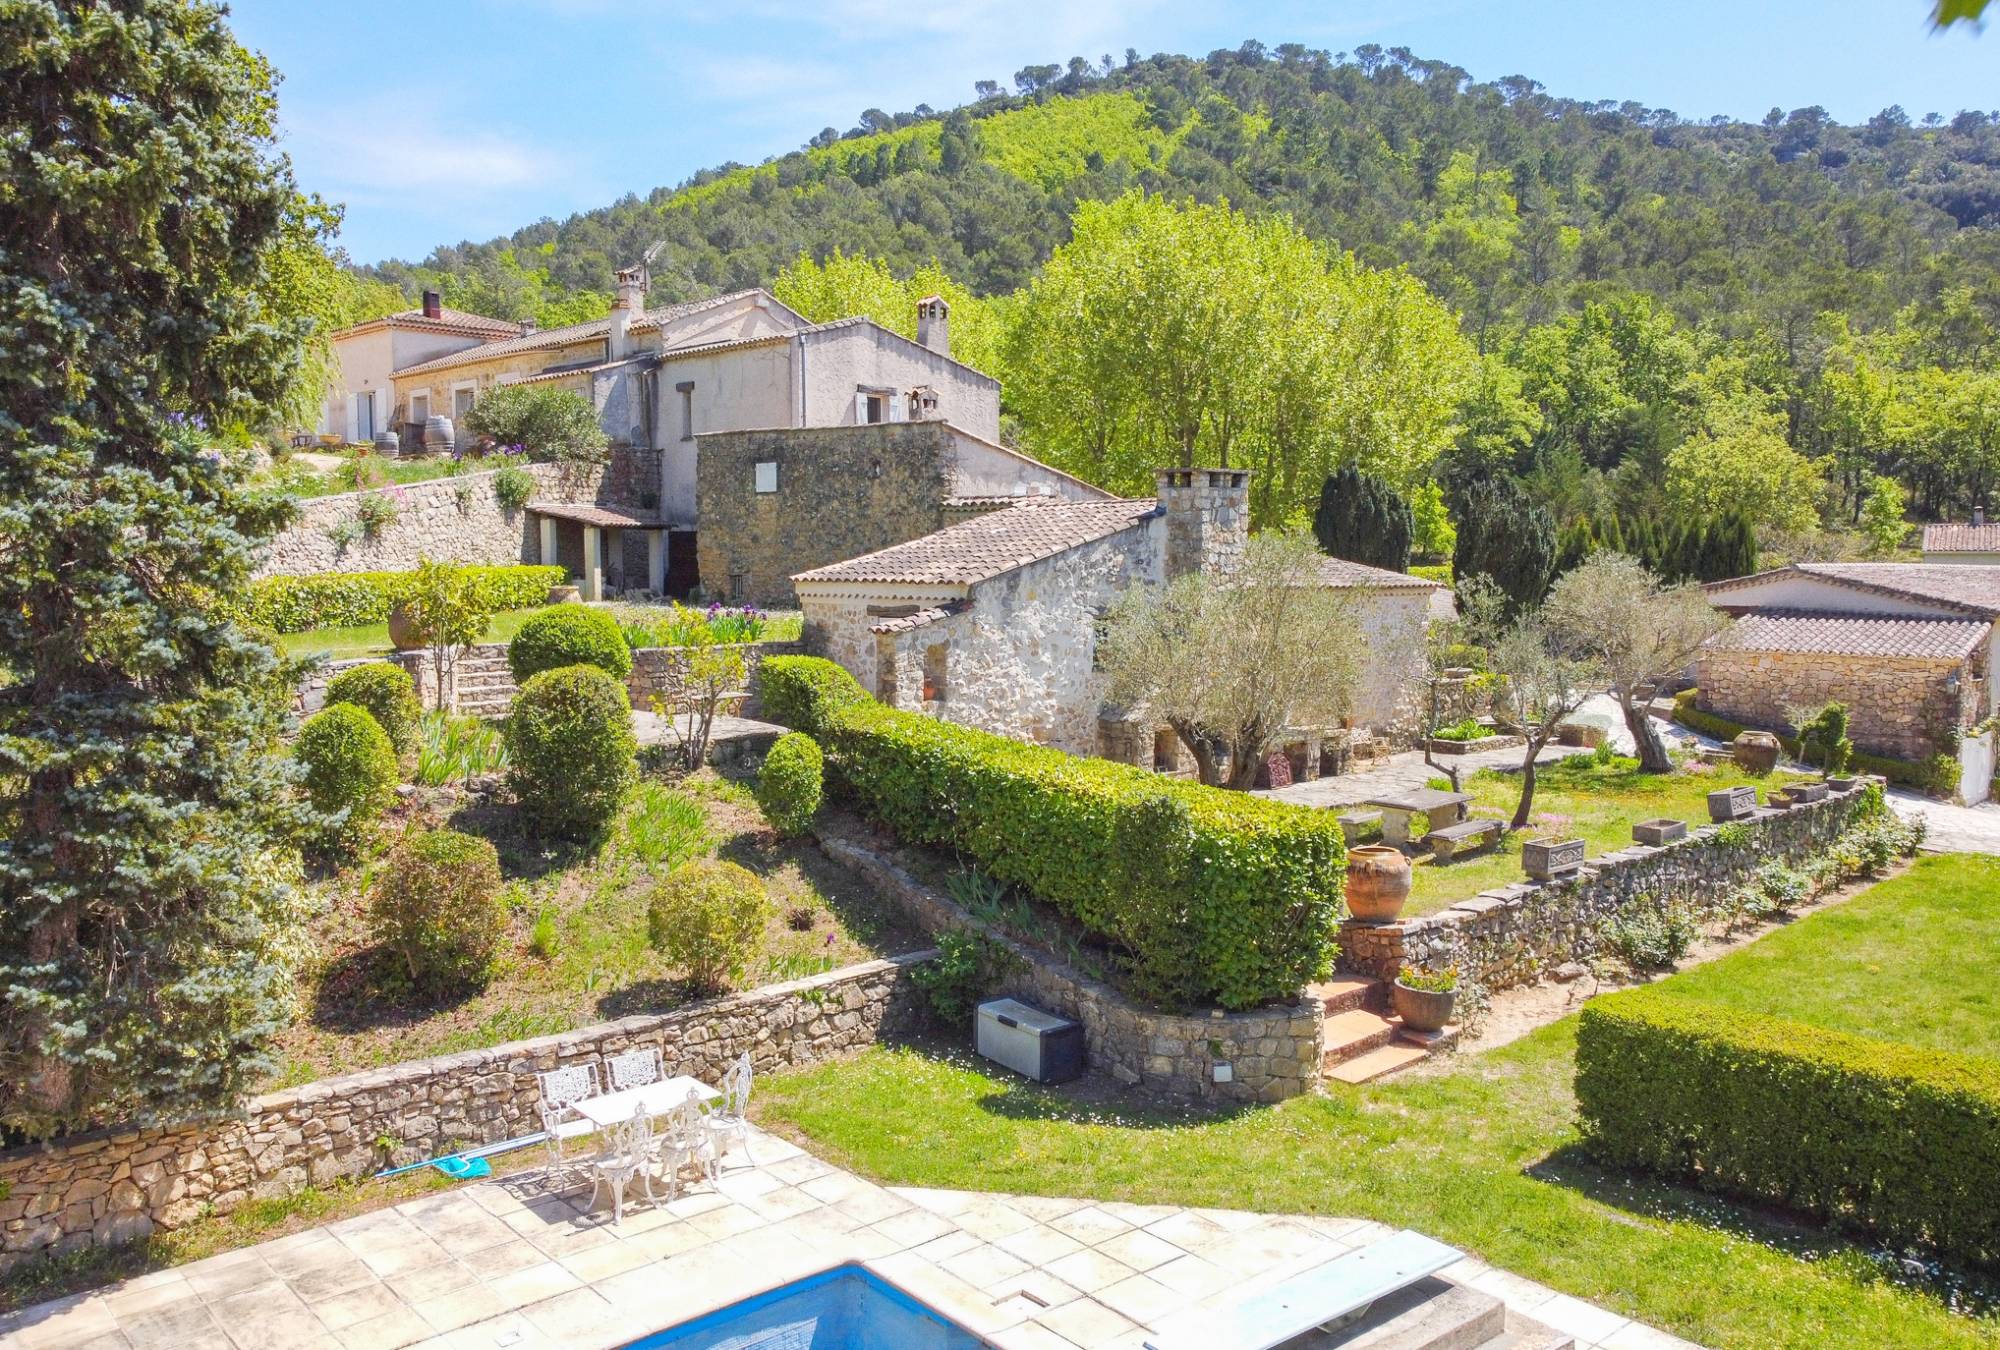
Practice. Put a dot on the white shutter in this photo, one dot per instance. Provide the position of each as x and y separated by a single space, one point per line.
899 408
860 407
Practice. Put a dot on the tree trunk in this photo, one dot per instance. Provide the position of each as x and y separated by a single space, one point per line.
1203 748
1653 757
1244 761
1526 806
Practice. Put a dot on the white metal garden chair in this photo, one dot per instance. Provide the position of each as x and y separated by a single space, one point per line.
562 1089
729 1114
684 1142
634 1068
629 1159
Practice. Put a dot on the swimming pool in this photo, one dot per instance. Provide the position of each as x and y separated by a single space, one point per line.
845 1308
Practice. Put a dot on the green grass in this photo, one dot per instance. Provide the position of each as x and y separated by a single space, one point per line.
1576 797
359 471
1911 960
1484 1154
372 639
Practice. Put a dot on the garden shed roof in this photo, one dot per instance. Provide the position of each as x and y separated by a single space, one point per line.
988 545
1950 538
604 517
1803 631
1346 574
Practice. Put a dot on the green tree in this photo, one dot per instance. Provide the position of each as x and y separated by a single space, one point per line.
149 915
446 612
1505 536
1363 519
1434 537
551 424
849 284
1882 517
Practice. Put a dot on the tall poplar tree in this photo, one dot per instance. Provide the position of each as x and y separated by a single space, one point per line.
148 244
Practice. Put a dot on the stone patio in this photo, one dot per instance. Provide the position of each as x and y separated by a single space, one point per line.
501 1264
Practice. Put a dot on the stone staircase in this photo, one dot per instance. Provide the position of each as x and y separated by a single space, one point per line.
1362 1039
486 687
1439 1314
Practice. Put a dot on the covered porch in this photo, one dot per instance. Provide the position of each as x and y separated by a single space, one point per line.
593 543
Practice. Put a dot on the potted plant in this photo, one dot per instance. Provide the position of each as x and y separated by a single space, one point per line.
1424 998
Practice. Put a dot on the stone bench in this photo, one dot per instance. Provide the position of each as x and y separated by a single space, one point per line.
1468 836
1354 824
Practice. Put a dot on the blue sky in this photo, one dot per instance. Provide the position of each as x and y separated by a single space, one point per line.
439 122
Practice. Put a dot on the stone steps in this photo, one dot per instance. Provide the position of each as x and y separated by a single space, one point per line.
1361 1040
1344 993
1439 1314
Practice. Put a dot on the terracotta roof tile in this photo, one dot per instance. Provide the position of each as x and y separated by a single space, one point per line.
1972 587
922 618
988 545
1950 538
1802 631
567 334
1342 572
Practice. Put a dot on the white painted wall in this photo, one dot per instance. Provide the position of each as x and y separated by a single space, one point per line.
987 469
840 361
1388 642
739 389
1796 590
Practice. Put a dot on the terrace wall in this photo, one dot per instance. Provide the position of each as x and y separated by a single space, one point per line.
1522 933
118 1185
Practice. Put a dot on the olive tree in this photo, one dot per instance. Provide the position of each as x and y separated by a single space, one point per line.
1637 629
1549 679
1232 662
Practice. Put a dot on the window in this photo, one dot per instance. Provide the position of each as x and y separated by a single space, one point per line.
420 407
878 408
873 405
686 390
767 476
462 396
934 664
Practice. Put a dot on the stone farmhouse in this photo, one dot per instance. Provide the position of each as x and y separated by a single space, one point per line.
362 399
993 621
1978 542
1908 647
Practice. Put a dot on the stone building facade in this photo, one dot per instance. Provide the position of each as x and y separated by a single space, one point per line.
118 1185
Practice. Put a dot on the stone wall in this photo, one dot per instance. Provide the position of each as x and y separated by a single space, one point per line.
445 519
660 670
1897 706
842 491
118 1185
1266 1055
1522 933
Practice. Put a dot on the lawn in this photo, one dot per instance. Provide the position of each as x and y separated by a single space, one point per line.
372 639
1481 1154
577 950
360 469
1575 797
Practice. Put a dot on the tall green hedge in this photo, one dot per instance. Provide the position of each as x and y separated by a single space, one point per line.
1211 897
348 599
1901 1141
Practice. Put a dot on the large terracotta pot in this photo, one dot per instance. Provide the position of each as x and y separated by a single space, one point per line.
1756 752
1378 882
1421 1009
400 635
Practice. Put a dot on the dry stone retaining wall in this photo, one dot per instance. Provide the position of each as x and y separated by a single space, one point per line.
1267 1055
660 670
1899 706
118 1185
1522 933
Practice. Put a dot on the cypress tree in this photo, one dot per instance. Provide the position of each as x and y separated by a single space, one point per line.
1364 519
147 903
1611 538
1506 535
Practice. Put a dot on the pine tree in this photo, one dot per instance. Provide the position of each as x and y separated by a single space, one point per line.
1610 537
1365 520
147 904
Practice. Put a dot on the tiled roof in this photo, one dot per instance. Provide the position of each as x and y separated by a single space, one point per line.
1341 572
922 618
454 320
564 336
988 545
1792 630
1972 587
605 517
1962 538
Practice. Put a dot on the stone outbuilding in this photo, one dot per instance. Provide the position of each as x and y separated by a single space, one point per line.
1908 647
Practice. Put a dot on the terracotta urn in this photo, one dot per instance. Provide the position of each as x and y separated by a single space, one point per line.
564 595
400 636
1756 752
1378 882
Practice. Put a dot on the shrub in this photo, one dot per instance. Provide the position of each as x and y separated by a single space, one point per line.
1901 1141
788 786
436 904
569 635
513 487
570 749
1209 896
1429 981
376 512
454 749
1469 730
967 968
350 768
1781 887
706 918
1937 775
1440 573
349 599
550 423
1823 738
388 694
1651 936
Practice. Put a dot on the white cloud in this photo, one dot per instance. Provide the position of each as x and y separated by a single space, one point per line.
365 160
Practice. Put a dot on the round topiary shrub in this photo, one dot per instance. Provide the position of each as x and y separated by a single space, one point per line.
706 918
569 635
350 768
388 694
436 904
571 754
789 784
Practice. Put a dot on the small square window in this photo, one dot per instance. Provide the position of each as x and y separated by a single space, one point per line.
767 476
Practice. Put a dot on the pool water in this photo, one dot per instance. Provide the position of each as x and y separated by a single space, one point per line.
845 1308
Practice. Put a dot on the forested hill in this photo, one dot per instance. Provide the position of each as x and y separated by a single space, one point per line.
1513 205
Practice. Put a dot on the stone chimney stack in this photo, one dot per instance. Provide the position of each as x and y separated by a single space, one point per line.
1208 518
1979 515
631 302
934 324
433 309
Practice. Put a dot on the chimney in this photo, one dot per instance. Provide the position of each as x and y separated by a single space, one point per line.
1208 518
934 324
529 328
432 309
627 307
1978 515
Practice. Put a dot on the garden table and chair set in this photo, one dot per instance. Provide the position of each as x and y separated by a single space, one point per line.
649 1128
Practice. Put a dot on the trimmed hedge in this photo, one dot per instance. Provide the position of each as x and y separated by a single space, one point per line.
436 903
569 635
1211 897
1438 572
387 693
1938 775
571 754
1901 1141
789 786
350 770
350 599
